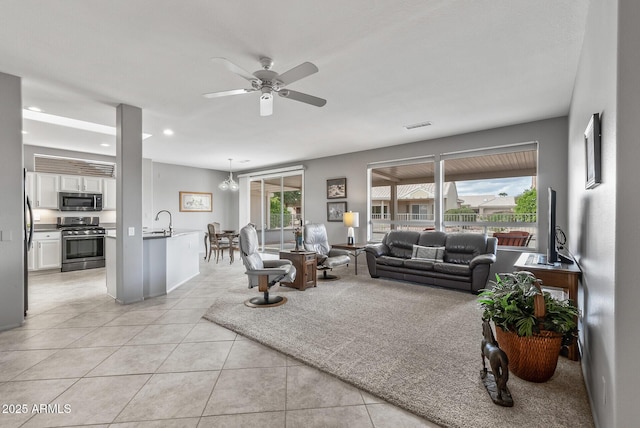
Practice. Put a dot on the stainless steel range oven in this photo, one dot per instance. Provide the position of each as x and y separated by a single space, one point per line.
82 243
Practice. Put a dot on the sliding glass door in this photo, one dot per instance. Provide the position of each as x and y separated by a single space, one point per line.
276 208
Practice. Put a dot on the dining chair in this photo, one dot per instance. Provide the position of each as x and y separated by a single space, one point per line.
214 243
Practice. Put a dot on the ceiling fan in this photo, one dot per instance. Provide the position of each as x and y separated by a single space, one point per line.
268 82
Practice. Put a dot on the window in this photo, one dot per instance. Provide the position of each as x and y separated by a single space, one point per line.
495 193
490 191
402 196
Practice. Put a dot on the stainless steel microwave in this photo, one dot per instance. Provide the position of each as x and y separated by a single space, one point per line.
72 201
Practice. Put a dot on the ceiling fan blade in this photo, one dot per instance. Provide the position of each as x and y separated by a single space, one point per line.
234 68
226 93
305 98
296 73
266 104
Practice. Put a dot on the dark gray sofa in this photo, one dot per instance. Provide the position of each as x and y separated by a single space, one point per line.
466 258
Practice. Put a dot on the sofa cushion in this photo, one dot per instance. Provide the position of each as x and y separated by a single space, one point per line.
419 264
428 253
390 260
452 269
400 242
460 248
432 239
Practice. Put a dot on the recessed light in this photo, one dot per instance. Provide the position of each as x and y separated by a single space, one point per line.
168 132
105 145
71 123
34 108
418 125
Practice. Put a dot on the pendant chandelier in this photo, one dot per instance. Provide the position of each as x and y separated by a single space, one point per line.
229 183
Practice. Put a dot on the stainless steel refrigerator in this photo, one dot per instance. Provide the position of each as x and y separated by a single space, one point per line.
28 239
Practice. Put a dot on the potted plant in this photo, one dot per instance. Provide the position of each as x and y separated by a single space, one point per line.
530 324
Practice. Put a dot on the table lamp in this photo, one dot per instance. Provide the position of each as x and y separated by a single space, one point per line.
351 219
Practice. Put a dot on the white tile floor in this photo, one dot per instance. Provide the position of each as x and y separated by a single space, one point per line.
159 364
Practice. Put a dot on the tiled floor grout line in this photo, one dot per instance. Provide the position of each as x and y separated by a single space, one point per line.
198 289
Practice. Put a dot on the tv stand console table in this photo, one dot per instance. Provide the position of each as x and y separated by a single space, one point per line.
564 276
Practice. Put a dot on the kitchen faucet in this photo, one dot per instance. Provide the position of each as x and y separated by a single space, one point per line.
170 220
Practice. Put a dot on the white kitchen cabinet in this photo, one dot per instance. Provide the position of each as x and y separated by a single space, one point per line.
46 252
78 183
108 193
92 184
46 191
30 187
70 183
31 258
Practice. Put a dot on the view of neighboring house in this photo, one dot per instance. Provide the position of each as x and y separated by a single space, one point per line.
415 201
488 204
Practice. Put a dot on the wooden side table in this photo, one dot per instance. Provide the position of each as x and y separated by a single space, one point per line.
561 276
305 263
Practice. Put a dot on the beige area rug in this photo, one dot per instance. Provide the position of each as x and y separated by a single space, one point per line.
414 346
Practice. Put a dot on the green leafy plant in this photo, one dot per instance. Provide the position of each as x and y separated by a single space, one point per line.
509 303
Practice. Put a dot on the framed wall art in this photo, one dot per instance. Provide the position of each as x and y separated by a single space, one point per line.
335 210
196 202
336 188
592 150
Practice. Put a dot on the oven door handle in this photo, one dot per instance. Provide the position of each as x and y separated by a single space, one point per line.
77 238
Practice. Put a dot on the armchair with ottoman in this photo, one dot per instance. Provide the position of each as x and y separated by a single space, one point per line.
453 260
315 239
263 273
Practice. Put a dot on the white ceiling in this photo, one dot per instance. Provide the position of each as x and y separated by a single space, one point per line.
463 65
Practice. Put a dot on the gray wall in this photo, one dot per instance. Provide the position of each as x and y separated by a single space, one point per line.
551 135
603 229
169 180
11 204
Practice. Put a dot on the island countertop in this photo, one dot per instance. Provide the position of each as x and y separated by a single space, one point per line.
158 233
168 261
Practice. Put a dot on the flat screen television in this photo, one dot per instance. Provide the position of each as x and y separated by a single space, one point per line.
552 250
553 256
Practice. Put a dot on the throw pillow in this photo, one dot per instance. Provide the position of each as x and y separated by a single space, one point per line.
435 254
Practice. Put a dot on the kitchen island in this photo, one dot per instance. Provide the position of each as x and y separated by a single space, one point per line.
168 261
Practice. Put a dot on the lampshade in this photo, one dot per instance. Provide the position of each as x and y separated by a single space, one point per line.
351 219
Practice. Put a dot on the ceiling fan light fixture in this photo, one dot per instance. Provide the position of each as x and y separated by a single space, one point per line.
266 102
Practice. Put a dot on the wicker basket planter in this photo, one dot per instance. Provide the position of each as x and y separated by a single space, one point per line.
530 324
532 358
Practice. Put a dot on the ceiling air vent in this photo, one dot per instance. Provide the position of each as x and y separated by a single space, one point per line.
71 166
418 125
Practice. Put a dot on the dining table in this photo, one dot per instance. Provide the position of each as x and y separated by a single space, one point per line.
230 235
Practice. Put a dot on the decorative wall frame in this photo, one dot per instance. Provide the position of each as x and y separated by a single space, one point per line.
337 188
592 150
335 210
196 202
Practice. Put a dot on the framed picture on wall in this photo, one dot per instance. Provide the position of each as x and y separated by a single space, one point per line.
335 210
592 150
196 202
336 188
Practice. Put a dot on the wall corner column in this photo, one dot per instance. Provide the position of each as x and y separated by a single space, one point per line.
129 249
